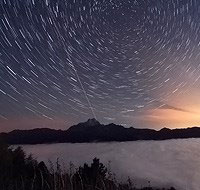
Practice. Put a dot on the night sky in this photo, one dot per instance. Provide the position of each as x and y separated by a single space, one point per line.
129 62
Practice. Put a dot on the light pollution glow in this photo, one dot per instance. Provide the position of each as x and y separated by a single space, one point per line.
128 62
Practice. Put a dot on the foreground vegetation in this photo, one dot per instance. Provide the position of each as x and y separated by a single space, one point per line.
21 172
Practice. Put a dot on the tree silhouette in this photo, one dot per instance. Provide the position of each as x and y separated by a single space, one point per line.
93 176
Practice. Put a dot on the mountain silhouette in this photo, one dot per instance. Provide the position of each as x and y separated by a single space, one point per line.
93 131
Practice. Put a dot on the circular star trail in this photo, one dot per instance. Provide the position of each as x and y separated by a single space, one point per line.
64 61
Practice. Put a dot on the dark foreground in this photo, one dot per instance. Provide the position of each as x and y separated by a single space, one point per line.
21 172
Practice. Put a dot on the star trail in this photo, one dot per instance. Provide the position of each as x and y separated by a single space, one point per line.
135 63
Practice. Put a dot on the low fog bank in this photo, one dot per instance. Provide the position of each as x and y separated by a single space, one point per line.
164 163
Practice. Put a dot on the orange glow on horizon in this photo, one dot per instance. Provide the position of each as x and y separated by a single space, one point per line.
184 111
173 118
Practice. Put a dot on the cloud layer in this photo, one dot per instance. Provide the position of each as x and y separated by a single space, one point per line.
164 163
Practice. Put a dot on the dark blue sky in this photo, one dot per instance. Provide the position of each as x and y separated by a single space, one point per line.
133 62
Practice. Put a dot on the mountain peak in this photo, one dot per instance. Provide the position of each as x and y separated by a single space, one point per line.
92 122
165 129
